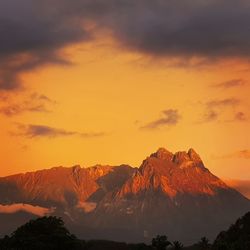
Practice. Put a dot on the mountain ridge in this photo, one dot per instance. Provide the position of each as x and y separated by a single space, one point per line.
168 190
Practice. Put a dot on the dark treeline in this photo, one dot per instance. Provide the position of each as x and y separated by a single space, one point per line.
49 233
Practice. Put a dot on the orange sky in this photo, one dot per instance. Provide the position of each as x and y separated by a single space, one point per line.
108 107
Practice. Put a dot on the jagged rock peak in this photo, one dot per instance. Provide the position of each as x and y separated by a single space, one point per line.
180 157
193 155
190 155
163 154
76 169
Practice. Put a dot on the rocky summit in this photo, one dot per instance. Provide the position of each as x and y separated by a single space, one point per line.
170 193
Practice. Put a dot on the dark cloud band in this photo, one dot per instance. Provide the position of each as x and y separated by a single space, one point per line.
33 32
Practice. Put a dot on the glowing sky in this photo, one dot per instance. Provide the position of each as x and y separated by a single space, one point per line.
92 82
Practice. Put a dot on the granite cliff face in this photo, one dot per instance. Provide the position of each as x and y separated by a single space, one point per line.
173 194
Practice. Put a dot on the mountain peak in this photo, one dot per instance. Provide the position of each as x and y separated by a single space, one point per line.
189 156
173 174
180 157
163 154
193 155
76 168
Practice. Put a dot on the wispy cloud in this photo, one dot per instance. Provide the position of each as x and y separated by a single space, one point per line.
36 131
42 97
16 109
214 109
240 116
230 84
228 102
33 103
170 117
245 154
210 115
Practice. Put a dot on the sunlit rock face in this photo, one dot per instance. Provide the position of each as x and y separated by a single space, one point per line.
173 174
170 193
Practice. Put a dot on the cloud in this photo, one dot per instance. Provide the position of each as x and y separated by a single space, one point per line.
240 116
32 103
210 116
170 118
215 108
16 109
230 84
87 206
36 131
228 102
244 154
36 210
33 33
42 97
32 131
188 28
243 186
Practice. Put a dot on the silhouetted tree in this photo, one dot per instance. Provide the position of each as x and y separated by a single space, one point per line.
43 233
177 245
105 245
204 243
160 242
4 243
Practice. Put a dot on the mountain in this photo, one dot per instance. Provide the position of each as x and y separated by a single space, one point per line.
173 194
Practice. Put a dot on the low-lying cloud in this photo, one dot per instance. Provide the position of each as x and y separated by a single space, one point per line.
87 206
36 210
170 117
